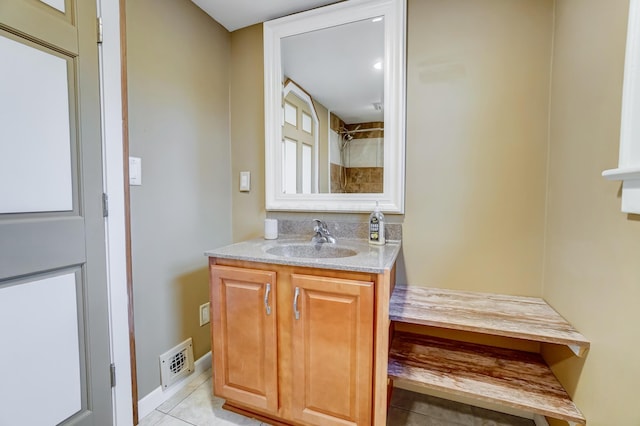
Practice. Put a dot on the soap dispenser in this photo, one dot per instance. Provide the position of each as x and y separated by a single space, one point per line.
376 227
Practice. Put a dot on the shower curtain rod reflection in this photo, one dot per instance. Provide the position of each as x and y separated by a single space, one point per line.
347 132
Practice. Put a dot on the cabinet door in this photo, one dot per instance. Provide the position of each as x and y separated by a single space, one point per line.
244 336
332 350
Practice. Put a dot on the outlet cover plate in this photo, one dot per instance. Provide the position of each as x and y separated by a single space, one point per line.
204 314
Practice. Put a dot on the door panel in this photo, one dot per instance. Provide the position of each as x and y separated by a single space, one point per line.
47 25
52 244
50 349
332 351
300 129
39 167
40 244
56 4
244 336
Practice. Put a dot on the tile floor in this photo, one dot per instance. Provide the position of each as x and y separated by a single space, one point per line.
196 406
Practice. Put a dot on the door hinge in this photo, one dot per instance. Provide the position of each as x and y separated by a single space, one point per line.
112 371
105 205
100 30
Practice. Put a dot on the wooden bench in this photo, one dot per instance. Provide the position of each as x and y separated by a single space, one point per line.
513 378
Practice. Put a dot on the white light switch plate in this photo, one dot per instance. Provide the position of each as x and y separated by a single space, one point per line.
135 171
245 181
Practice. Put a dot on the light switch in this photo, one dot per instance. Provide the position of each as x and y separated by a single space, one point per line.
245 181
135 171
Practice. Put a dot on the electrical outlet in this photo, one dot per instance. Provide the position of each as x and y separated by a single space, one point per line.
204 314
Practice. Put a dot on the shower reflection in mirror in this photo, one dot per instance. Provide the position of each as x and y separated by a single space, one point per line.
357 156
349 160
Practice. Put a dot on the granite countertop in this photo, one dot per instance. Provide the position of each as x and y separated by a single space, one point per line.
369 258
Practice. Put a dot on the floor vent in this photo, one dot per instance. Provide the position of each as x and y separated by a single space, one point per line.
176 363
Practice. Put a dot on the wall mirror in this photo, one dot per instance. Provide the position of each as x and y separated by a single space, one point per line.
335 108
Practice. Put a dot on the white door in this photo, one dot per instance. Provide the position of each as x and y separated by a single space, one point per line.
54 334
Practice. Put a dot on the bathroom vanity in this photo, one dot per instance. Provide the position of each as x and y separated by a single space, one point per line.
299 338
315 334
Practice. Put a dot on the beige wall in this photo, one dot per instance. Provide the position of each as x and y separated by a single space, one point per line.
477 158
477 113
179 125
478 76
592 273
247 131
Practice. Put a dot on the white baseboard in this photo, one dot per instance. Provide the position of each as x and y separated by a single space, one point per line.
158 396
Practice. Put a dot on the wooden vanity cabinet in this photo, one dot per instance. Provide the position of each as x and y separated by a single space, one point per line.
245 359
310 361
332 343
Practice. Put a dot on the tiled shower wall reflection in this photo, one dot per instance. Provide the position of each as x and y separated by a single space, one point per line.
356 179
359 167
364 179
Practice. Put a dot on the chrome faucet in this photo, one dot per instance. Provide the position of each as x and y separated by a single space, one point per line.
322 233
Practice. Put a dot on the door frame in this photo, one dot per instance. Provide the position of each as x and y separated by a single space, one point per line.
115 149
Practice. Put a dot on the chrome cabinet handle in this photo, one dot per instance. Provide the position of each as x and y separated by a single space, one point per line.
266 299
296 312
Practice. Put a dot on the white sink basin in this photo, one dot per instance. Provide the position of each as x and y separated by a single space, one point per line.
311 251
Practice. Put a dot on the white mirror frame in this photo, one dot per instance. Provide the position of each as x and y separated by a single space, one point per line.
392 199
628 170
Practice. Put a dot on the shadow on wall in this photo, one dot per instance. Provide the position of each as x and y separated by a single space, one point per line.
630 216
565 365
191 292
401 270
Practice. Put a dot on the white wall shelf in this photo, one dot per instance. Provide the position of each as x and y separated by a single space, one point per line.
628 170
623 173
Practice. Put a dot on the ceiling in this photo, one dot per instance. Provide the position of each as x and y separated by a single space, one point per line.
236 14
334 65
